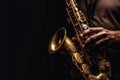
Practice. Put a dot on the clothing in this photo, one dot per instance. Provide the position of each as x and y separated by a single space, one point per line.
107 15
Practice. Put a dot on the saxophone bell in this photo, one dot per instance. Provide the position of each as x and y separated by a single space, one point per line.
60 42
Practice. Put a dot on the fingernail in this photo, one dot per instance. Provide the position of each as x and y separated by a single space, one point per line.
81 35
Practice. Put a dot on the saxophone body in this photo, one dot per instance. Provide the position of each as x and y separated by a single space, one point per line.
91 65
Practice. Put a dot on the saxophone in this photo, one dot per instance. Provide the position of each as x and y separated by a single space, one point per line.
91 65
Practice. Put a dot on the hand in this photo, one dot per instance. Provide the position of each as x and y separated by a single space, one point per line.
99 35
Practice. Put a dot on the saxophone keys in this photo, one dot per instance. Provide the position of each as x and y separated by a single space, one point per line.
85 68
85 26
108 64
78 57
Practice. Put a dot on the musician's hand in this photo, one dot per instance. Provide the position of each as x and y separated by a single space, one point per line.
98 35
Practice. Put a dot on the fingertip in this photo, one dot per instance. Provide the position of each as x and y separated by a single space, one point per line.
81 35
74 38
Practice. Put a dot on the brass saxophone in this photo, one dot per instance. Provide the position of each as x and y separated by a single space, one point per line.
92 65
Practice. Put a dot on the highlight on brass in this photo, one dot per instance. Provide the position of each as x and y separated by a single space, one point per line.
57 40
91 67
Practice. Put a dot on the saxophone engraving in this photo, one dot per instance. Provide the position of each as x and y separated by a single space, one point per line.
92 65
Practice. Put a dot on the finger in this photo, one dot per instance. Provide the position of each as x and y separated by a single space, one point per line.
74 39
94 37
102 41
91 30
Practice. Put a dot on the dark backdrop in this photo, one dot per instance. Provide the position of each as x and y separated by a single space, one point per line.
26 28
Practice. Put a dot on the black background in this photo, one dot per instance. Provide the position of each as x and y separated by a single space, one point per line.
26 28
